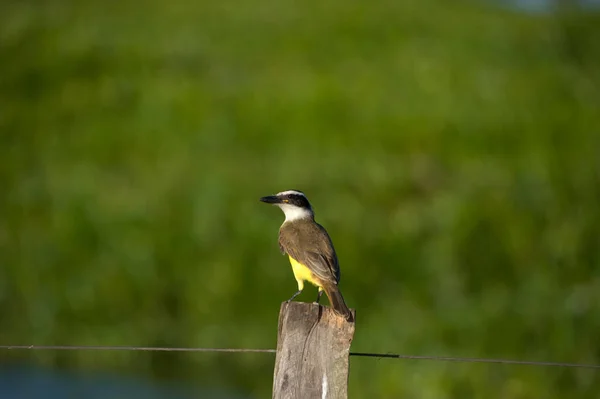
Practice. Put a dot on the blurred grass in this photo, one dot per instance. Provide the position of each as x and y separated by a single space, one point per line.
452 151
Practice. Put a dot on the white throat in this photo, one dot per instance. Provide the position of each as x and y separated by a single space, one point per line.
293 212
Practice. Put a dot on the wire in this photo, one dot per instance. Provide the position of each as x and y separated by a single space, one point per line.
478 360
358 354
131 348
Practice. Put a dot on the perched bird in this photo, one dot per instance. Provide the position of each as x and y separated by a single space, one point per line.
309 248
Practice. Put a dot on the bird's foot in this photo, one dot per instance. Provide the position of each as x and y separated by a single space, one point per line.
318 297
293 296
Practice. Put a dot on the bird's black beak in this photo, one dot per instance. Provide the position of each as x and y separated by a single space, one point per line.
271 199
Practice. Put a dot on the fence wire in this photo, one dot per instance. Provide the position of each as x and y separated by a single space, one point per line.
249 350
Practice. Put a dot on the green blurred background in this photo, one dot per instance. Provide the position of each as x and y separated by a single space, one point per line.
452 150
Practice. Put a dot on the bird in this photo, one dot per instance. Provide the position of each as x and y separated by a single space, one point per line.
309 248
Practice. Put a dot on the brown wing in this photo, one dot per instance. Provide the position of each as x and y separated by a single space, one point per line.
309 243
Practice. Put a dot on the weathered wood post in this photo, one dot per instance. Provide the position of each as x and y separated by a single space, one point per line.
313 346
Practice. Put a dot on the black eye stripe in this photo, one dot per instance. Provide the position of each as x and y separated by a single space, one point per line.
298 200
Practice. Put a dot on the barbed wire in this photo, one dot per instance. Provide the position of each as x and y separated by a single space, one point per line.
248 350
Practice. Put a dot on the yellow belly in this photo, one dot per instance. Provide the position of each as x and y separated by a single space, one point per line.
303 273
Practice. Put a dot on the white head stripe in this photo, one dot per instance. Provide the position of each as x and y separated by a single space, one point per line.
291 192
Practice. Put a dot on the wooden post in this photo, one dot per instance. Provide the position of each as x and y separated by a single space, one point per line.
313 345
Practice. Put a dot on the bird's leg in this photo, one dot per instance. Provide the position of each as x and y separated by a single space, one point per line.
300 288
294 296
319 296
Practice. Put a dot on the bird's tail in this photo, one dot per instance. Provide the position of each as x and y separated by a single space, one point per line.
337 301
